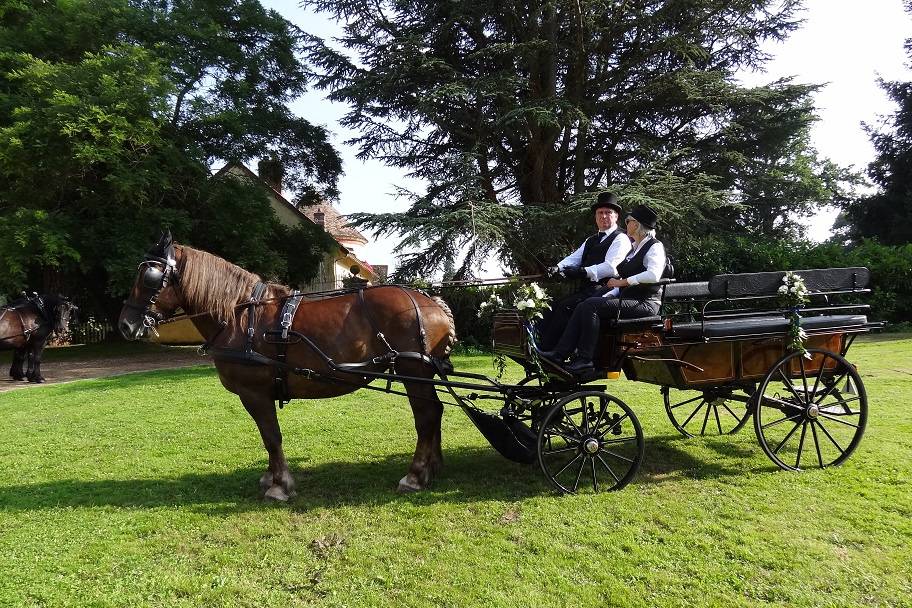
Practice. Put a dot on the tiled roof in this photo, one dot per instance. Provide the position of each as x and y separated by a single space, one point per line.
334 223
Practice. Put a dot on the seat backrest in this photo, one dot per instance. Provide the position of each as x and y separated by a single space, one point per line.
768 283
694 290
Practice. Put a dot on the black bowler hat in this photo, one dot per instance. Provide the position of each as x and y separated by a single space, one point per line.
607 199
645 215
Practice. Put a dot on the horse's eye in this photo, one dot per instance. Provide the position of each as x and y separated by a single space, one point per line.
153 278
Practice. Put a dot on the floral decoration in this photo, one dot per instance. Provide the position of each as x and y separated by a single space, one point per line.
793 295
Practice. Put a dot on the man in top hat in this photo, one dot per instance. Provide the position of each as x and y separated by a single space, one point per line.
593 262
635 293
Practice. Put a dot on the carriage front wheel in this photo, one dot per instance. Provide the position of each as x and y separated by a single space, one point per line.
810 412
590 441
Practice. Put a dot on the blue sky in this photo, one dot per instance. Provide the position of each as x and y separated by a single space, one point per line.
845 44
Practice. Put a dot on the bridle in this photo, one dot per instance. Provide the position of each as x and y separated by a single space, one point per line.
156 273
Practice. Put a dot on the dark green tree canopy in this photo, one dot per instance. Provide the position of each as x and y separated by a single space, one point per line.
112 113
513 111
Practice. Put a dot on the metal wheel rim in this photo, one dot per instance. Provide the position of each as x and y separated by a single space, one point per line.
564 435
834 429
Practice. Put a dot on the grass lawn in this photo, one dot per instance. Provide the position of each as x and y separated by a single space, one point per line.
141 490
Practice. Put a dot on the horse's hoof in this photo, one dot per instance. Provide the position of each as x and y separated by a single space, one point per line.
277 493
407 487
266 481
17 377
36 380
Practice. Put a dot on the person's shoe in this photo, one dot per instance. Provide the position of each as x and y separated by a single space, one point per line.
553 356
581 367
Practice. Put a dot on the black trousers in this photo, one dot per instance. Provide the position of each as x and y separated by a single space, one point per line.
552 325
584 327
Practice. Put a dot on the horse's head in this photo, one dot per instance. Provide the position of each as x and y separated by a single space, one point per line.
154 295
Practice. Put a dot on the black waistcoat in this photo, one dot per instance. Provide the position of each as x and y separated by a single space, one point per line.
594 251
636 265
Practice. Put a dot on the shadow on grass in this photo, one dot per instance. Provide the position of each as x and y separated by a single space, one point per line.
470 474
671 457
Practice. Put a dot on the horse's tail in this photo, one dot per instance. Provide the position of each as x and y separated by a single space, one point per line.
451 334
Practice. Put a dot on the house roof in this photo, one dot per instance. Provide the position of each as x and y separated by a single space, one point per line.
334 223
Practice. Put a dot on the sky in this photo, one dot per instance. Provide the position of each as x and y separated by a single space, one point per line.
845 44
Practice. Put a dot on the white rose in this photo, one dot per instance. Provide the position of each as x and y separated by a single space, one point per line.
521 305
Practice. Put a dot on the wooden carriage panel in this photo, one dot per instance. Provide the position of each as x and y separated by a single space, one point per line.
644 340
830 342
717 359
509 334
652 372
758 356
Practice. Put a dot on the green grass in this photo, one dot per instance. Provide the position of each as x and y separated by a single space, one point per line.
142 490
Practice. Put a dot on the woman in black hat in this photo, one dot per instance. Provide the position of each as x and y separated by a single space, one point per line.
593 262
634 294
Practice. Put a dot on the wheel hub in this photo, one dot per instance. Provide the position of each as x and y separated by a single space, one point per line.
591 446
813 411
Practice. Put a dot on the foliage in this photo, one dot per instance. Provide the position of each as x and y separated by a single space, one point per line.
515 113
142 491
111 114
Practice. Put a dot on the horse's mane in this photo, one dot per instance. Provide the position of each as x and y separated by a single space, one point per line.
212 284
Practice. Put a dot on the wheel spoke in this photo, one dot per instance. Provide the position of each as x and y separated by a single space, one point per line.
602 410
820 374
718 422
570 420
842 401
693 413
816 444
832 387
585 407
804 378
564 468
594 476
623 440
579 475
605 464
686 402
788 383
613 424
834 419
781 420
804 428
705 418
734 415
830 437
568 439
559 451
786 438
782 402
618 456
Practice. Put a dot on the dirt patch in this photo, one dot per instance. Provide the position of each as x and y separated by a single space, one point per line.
101 366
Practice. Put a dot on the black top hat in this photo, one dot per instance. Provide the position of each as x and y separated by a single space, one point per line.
645 215
607 199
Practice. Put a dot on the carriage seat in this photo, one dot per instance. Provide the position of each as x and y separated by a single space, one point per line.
748 326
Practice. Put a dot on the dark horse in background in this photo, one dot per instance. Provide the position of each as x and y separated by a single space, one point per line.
348 327
25 326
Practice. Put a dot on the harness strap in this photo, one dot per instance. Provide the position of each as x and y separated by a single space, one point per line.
286 318
422 334
258 290
392 352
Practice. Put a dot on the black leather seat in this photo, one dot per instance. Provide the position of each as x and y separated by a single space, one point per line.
747 326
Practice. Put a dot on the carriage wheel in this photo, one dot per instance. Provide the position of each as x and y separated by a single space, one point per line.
695 412
808 417
590 441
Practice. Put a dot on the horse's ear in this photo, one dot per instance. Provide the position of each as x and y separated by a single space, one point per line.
165 239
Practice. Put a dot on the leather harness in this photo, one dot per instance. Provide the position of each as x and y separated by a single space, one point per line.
282 335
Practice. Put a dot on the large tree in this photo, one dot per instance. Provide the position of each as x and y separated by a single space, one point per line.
112 113
515 112
887 214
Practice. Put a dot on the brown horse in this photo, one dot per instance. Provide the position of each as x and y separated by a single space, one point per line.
25 326
348 328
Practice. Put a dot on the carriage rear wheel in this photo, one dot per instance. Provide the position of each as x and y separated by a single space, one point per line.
707 412
590 441
810 415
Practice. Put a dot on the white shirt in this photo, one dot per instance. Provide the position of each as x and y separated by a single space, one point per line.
655 266
613 257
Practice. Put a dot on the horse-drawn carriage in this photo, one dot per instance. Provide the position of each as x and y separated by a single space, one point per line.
718 350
